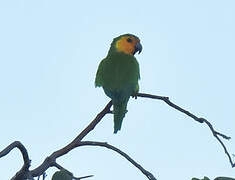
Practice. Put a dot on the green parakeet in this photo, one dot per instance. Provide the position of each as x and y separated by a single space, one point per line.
118 74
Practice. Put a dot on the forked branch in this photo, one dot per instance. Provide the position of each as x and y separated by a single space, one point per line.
215 133
51 160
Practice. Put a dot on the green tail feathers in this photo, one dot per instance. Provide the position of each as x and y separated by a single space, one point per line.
119 110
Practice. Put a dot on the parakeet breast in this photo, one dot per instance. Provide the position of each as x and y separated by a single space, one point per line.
121 74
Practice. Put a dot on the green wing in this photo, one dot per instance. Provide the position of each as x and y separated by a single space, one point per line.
99 74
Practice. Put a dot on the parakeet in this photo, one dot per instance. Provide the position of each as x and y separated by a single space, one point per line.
118 73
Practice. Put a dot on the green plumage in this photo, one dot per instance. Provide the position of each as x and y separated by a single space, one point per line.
118 74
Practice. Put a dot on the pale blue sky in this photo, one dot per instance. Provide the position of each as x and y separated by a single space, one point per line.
49 53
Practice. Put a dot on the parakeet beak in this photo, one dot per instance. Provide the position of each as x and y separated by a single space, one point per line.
138 48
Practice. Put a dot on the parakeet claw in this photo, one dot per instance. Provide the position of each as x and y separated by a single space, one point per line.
110 112
134 96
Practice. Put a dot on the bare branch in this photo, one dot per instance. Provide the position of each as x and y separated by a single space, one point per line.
106 145
215 133
22 149
49 161
23 172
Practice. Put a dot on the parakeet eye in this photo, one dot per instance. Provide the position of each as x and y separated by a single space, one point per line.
129 40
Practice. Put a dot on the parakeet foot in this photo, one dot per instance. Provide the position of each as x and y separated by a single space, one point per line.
134 96
110 112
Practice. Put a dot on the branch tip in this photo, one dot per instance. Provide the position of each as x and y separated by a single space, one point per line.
215 133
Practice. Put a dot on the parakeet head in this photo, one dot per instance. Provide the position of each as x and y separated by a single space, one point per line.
126 43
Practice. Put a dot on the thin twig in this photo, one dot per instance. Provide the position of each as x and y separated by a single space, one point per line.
83 177
215 133
44 176
106 145
55 164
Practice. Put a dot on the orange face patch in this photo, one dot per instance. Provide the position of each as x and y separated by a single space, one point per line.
127 44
